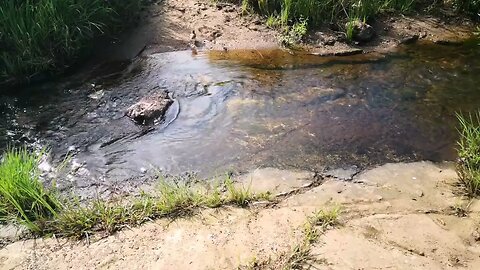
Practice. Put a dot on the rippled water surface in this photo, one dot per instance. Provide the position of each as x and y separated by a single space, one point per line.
246 109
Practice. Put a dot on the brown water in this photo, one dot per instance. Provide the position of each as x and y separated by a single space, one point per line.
246 109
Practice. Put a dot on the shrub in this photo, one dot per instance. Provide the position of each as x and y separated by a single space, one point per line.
468 165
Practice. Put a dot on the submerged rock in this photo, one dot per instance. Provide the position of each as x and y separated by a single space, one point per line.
149 108
361 31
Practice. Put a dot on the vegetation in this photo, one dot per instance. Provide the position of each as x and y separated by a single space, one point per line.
301 253
293 34
39 36
468 165
24 200
472 7
317 12
22 196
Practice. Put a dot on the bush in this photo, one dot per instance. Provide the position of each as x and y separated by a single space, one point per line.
468 166
49 35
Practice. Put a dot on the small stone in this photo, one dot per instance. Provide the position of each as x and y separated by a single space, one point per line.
143 170
76 165
476 235
410 40
44 166
419 193
71 148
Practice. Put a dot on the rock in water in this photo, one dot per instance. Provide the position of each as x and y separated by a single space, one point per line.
149 108
361 31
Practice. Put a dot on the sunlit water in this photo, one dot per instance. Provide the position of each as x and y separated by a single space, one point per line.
246 109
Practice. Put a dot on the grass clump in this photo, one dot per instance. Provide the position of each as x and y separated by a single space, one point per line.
294 34
315 225
23 199
46 36
468 165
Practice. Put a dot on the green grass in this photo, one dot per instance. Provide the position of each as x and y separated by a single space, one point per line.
318 12
24 200
468 165
47 36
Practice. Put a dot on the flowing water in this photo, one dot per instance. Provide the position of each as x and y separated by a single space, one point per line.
240 110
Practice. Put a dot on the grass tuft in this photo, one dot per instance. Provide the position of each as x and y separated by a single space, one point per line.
301 257
468 165
23 199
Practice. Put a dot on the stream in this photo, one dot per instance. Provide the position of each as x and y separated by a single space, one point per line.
241 110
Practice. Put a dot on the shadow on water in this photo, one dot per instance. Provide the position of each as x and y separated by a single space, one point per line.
246 109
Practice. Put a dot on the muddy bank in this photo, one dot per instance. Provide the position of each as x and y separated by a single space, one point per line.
168 26
397 215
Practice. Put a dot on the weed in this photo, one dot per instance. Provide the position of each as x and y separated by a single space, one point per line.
350 28
22 195
294 34
273 21
468 165
240 196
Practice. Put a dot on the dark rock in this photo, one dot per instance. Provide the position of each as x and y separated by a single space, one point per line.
149 108
410 39
361 31
230 9
329 41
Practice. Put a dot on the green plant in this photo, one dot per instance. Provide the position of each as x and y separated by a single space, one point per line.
23 197
468 165
273 21
350 28
294 34
317 12
238 195
300 256
49 35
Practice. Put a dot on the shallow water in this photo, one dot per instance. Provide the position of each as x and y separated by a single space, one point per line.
246 109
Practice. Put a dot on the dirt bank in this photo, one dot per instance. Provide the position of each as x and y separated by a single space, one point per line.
401 216
168 26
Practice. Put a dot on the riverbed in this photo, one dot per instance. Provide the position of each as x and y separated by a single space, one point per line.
238 110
